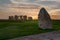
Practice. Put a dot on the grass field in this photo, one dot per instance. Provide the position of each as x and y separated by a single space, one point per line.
12 29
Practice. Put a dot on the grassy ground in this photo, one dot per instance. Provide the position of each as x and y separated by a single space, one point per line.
12 29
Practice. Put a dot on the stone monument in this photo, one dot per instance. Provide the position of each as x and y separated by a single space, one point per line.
21 17
44 20
11 18
16 17
30 18
24 17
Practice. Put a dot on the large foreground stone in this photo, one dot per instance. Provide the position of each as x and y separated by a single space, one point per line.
44 19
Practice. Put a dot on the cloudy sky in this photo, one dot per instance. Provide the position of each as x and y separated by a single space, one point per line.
28 7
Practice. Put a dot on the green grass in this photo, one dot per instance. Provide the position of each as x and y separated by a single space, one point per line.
12 29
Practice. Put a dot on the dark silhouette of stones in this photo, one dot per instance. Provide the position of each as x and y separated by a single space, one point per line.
24 17
30 18
21 17
44 19
11 18
16 17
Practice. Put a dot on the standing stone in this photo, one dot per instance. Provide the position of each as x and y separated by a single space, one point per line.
11 18
16 17
30 18
44 19
21 17
24 17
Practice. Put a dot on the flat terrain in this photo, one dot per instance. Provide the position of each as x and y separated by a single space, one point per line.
12 29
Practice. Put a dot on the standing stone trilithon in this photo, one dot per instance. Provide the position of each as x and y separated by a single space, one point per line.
21 17
16 17
30 18
44 19
11 18
24 17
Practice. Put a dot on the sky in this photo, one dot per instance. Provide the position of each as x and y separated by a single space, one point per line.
28 7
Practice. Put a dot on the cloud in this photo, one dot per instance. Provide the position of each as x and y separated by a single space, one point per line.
11 6
52 4
5 1
55 12
27 1
3 14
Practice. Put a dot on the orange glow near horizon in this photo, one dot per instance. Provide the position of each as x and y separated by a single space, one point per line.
29 12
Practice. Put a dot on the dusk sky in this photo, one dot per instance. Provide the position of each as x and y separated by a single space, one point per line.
28 7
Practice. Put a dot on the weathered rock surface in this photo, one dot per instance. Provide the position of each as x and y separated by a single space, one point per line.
44 36
44 19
